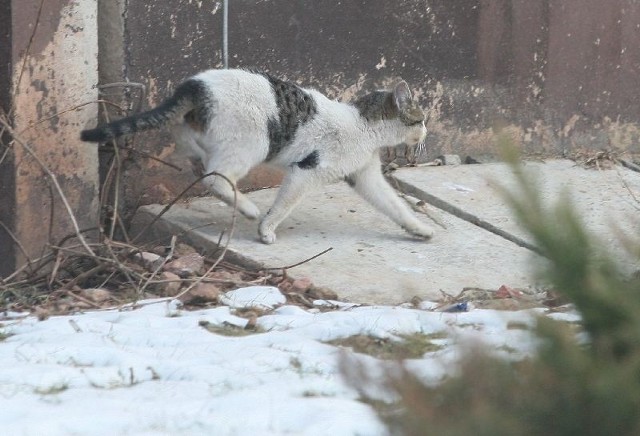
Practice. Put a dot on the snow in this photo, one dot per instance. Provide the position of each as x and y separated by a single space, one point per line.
156 370
260 297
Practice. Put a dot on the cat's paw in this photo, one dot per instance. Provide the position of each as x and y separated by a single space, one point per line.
249 210
266 231
420 230
267 236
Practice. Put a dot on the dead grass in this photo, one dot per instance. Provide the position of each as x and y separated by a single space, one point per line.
52 390
413 346
228 329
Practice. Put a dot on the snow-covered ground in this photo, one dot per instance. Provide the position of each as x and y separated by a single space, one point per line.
157 370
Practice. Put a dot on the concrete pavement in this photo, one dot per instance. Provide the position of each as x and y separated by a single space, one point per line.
373 261
604 198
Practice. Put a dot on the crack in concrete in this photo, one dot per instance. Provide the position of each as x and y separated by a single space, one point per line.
452 209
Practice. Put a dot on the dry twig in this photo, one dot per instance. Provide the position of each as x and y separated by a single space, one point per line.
181 194
53 179
284 269
226 246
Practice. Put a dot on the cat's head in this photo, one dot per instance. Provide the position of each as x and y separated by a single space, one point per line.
410 114
397 104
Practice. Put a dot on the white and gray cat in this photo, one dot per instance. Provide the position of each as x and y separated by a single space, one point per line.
232 120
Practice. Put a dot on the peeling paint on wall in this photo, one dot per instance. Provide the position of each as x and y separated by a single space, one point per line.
60 74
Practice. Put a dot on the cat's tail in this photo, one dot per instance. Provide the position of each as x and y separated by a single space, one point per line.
172 109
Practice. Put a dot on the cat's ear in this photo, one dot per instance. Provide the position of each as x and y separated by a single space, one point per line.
402 95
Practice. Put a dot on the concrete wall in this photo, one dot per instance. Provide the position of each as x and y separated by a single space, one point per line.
48 71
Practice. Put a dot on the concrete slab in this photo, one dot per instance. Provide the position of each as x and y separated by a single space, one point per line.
373 261
605 198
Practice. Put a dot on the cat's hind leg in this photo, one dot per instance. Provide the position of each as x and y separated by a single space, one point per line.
187 145
371 185
206 155
295 184
227 192
222 189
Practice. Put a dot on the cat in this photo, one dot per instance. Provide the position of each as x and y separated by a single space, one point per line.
231 120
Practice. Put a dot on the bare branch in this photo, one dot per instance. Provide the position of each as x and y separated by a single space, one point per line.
284 268
179 196
19 244
226 246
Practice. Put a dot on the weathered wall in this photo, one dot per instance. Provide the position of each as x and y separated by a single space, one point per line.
50 71
566 68
558 74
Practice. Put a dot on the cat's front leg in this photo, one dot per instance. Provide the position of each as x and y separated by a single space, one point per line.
294 186
371 185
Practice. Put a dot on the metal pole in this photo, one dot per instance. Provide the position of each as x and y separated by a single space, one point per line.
225 34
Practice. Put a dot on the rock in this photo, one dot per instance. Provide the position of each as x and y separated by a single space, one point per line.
160 250
317 293
183 249
172 284
148 260
82 305
185 266
42 313
507 292
261 297
229 276
286 286
202 293
97 295
301 285
158 193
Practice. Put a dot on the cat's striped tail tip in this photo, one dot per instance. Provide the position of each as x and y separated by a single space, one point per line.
94 135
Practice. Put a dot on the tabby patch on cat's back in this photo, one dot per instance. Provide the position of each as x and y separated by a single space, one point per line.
228 121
